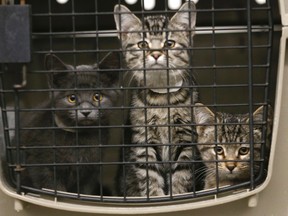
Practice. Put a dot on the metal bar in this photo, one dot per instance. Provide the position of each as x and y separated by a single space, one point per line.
250 87
199 31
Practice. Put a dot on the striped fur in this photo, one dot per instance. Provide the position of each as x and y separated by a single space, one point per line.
227 157
158 59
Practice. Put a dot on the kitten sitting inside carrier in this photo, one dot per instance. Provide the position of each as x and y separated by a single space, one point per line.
225 146
157 53
59 142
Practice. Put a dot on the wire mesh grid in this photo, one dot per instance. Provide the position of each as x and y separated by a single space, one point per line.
78 130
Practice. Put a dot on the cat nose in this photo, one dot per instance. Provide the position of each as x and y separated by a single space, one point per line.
156 55
86 112
85 109
230 166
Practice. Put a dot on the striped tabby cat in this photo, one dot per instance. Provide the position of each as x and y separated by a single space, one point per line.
232 150
157 56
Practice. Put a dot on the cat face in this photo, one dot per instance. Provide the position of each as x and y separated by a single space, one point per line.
81 108
233 161
157 45
77 96
225 148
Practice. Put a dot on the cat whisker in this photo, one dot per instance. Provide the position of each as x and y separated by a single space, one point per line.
184 74
210 173
202 174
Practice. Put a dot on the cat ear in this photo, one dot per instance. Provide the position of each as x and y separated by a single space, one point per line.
53 63
111 60
202 115
109 67
259 114
125 20
185 18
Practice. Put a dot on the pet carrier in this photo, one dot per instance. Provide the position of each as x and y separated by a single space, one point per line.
141 107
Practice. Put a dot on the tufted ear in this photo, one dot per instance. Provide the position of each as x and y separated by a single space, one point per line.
202 115
125 21
185 18
54 64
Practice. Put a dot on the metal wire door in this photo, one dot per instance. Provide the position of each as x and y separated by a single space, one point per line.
231 61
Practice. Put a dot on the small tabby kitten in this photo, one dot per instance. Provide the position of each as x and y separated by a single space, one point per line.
65 135
231 147
157 56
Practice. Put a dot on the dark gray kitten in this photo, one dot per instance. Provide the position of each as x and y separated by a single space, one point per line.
61 149
228 143
158 58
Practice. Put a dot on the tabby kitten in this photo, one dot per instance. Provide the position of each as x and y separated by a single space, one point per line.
157 56
231 148
61 150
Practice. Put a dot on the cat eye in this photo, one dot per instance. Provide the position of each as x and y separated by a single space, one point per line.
243 150
219 150
169 43
97 97
72 98
143 45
